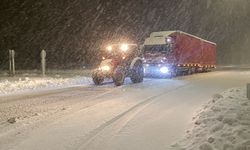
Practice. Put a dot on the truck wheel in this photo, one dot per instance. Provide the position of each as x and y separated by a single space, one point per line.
119 76
97 79
193 70
190 71
137 72
174 73
204 70
196 70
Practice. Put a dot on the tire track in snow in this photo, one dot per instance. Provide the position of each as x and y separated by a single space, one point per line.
125 117
6 99
104 90
129 114
47 93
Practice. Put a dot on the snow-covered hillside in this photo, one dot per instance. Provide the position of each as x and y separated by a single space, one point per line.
223 124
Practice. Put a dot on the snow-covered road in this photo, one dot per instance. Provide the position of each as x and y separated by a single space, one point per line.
150 115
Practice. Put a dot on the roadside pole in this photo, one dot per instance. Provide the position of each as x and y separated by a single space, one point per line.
12 62
248 91
43 62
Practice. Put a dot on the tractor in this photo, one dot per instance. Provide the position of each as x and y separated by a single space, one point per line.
118 62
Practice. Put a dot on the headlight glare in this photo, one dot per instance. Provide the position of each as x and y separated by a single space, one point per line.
124 47
105 68
164 70
109 48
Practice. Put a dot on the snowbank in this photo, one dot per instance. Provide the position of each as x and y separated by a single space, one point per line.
25 84
223 124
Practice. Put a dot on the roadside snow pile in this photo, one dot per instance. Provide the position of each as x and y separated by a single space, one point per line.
223 124
10 85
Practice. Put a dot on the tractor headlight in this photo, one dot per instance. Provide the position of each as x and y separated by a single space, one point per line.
164 70
124 47
109 48
105 68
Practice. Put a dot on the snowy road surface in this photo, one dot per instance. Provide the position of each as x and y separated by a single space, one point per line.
150 115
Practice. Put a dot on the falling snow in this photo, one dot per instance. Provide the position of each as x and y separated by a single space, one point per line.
75 31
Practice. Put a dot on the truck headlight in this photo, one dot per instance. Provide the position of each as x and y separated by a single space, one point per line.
105 68
164 70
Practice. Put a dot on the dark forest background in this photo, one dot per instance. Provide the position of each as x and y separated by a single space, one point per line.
72 31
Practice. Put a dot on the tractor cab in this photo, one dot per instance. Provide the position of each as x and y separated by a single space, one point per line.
118 62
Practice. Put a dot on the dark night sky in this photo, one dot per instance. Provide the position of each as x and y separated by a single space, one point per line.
72 31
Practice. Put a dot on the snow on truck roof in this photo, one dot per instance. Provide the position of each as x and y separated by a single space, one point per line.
159 38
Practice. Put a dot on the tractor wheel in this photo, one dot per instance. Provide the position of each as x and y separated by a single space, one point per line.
119 76
137 72
97 79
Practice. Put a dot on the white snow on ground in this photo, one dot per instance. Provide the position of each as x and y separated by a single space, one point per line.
223 124
26 84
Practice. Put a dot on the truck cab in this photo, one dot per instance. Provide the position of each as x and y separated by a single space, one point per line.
159 54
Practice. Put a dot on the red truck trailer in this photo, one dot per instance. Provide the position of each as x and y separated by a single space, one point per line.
174 52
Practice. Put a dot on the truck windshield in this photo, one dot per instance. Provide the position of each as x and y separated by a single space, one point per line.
157 48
